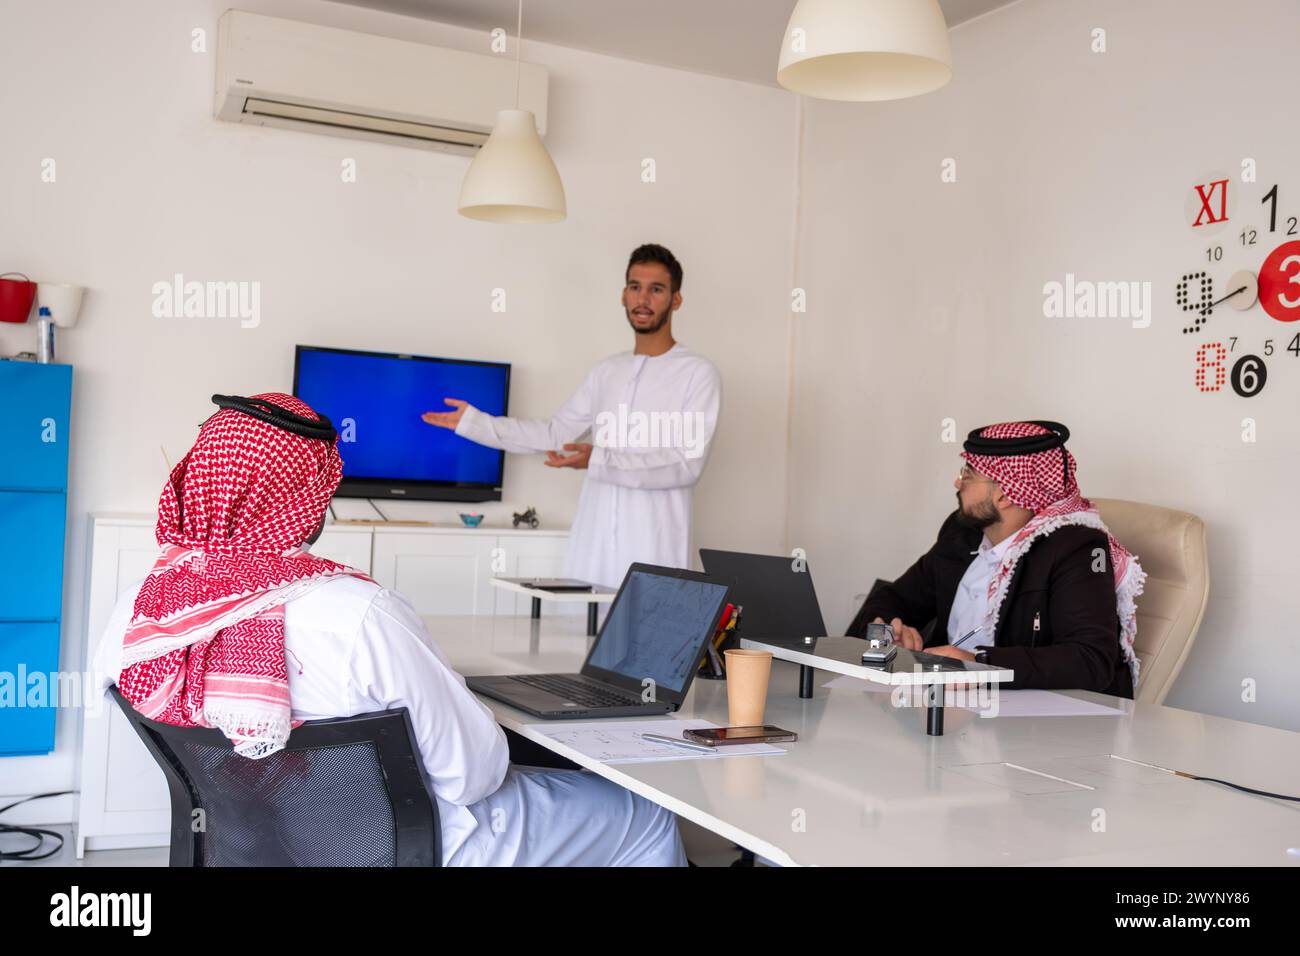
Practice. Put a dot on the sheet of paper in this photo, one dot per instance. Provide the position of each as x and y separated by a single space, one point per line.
620 741
1010 703
1046 703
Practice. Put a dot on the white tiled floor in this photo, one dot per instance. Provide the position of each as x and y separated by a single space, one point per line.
150 856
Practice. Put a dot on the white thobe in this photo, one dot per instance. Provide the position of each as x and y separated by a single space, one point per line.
353 647
652 420
970 605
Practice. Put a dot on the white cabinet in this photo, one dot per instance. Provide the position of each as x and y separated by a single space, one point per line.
123 796
346 545
531 556
451 571
437 573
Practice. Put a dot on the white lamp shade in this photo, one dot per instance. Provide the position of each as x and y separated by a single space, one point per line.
512 179
862 50
63 301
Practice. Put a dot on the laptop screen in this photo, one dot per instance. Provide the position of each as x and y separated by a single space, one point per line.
657 628
776 593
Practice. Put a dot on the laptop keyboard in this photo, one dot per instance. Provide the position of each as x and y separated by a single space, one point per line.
576 690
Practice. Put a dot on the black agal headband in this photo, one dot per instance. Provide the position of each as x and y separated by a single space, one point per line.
320 428
1057 436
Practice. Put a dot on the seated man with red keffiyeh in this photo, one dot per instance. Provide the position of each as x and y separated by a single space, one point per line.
206 640
1024 574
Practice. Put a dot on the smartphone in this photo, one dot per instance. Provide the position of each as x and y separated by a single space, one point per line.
722 736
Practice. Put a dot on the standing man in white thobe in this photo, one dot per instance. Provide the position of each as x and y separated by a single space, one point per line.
651 412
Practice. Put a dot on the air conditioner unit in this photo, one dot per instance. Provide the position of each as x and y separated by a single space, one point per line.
275 72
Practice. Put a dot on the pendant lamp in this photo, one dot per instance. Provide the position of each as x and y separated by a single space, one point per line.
862 50
513 179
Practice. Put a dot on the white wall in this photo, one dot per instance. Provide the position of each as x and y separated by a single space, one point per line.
925 302
149 184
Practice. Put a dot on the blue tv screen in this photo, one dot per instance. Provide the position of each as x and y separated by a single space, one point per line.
375 400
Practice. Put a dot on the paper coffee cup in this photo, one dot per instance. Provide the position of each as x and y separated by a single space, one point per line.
747 676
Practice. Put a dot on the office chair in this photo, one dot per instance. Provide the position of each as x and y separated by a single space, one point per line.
1171 547
343 792
1172 550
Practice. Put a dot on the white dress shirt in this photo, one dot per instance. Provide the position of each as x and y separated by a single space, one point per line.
970 606
635 503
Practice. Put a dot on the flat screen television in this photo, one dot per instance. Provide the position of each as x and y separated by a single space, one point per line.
375 400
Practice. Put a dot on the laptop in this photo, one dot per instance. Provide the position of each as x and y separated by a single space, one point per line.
656 630
776 595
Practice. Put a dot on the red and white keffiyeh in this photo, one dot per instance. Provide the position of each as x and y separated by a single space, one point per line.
205 645
1044 483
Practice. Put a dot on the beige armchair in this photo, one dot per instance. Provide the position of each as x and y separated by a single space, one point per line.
1171 548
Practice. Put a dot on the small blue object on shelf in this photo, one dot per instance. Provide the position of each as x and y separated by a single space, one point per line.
471 521
35 403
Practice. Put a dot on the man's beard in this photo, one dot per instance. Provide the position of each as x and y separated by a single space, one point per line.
983 515
660 321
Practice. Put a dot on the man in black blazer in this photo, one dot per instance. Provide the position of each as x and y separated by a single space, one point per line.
1023 574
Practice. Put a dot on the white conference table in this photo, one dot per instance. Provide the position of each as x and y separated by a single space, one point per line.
865 786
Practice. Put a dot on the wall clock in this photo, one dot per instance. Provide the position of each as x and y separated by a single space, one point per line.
1248 263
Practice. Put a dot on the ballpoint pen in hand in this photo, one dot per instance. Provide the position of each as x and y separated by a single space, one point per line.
967 636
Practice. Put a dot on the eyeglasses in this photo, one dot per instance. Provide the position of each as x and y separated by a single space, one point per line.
967 473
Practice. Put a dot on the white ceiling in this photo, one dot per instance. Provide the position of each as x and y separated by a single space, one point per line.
735 38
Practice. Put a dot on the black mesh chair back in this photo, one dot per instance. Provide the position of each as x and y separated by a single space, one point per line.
343 792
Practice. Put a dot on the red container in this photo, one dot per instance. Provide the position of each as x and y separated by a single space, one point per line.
16 297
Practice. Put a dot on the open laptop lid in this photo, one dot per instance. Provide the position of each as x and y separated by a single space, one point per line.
656 630
775 593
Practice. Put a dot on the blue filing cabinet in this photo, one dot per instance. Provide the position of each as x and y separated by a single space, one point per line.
35 403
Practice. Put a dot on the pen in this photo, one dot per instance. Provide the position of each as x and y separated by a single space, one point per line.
677 742
967 636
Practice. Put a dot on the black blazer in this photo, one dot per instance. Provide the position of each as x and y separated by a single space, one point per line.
1058 627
